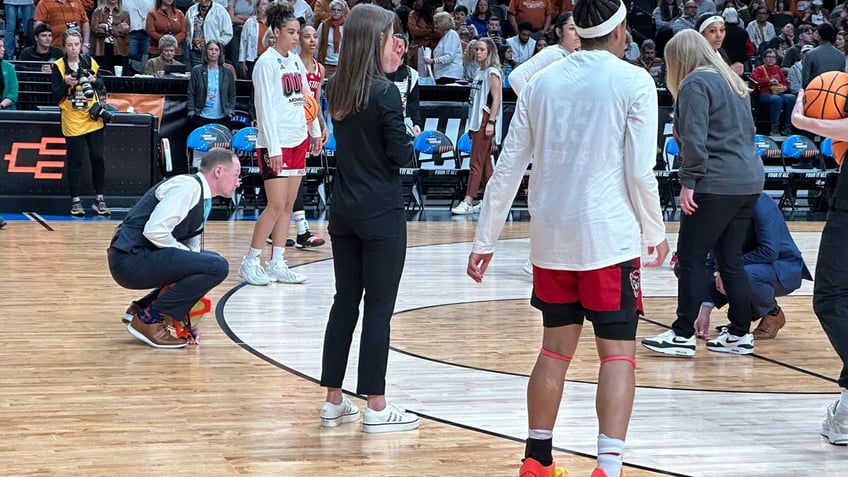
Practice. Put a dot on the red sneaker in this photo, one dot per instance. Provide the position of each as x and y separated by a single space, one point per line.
531 467
599 472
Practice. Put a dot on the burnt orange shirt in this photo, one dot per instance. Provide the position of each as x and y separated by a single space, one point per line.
531 11
61 16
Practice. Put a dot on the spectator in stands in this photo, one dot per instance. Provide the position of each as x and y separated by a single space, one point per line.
844 48
480 17
159 244
110 25
422 31
251 39
743 15
666 11
523 45
283 142
569 42
8 81
649 61
460 16
761 31
786 40
706 6
62 16
206 21
81 131
736 45
824 57
16 9
494 32
632 51
321 11
541 44
447 56
369 241
484 114
793 55
467 32
43 51
406 80
795 72
836 15
330 34
163 20
721 177
139 39
469 61
302 11
168 48
816 15
508 64
774 92
687 20
211 89
239 11
537 13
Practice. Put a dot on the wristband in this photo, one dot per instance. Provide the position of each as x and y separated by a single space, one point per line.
492 122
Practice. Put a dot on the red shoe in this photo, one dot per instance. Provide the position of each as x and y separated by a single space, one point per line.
531 467
599 472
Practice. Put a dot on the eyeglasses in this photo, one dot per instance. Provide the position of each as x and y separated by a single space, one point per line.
337 9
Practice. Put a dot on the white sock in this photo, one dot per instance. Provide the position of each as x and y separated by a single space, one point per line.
300 221
278 254
540 434
842 408
254 253
610 455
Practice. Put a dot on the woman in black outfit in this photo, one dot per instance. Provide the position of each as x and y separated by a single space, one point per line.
367 221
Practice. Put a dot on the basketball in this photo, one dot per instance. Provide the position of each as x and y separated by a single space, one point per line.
825 96
197 312
839 150
311 108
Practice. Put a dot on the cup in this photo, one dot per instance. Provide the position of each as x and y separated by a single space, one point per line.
119 70
130 109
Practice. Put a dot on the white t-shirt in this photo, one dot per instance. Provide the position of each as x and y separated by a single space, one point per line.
279 85
479 97
593 193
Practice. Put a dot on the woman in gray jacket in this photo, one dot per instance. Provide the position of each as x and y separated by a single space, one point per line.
212 89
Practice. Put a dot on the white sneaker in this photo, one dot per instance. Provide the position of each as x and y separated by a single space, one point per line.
278 271
670 343
391 419
333 415
253 273
464 208
728 343
834 427
528 267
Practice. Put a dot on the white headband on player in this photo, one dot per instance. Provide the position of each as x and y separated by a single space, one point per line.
710 21
606 27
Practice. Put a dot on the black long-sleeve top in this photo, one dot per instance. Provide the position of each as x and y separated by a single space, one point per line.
371 147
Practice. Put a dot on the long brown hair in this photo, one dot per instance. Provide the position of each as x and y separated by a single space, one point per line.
367 28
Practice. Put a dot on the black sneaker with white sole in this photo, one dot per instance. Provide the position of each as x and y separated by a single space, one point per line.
307 240
671 344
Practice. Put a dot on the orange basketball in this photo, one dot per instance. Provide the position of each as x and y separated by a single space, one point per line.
839 150
311 108
826 95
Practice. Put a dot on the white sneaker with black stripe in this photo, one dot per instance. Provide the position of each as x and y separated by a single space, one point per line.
333 415
729 343
391 419
671 344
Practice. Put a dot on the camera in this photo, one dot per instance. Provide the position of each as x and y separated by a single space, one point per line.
101 110
84 85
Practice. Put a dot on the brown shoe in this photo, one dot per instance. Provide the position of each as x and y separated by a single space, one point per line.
131 312
770 325
154 334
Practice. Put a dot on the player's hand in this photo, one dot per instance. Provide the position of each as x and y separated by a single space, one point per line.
71 81
477 265
193 336
416 130
702 324
798 118
276 163
687 201
315 144
490 130
662 250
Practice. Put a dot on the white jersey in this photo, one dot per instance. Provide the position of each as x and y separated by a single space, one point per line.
593 192
521 76
279 85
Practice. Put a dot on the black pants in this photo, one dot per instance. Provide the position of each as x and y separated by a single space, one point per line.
719 225
192 273
830 289
109 59
76 152
368 256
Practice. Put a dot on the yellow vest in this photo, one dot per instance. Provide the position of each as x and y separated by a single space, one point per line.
76 121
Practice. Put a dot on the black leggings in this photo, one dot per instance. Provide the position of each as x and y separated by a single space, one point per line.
76 151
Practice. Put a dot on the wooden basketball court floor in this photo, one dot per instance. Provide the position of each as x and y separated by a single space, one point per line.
80 396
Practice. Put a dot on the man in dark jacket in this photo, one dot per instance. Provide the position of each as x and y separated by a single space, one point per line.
824 57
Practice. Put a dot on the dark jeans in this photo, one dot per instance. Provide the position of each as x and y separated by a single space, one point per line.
368 256
109 60
192 273
830 289
777 103
719 224
76 150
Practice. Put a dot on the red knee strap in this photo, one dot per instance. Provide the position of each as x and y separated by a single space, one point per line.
551 354
619 358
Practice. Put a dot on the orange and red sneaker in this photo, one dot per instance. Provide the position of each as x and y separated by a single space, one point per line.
531 467
599 472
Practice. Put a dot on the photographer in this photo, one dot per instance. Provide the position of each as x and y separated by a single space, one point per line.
75 89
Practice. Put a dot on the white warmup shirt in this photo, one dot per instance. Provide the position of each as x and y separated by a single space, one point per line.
279 84
521 52
521 75
593 187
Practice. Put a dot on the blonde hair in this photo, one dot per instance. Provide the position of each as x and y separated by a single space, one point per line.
492 59
688 51
443 21
468 54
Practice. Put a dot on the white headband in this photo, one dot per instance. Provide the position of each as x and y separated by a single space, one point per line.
606 27
710 21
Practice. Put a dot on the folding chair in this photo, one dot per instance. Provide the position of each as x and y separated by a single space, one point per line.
244 145
668 183
432 173
800 149
777 177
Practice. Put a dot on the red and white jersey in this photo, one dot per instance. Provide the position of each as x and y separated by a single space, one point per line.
279 83
315 78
